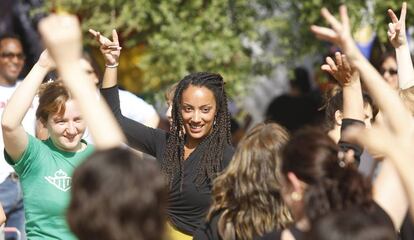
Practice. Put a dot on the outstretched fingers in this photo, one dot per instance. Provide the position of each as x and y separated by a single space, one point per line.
102 40
403 12
331 64
327 68
343 11
345 62
335 24
324 33
93 32
338 59
392 15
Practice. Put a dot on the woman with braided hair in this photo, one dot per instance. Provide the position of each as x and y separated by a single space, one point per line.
195 150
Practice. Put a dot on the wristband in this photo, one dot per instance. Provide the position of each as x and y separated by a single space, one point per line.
112 65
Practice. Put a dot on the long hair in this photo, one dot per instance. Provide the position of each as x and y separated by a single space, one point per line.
118 194
214 143
248 191
331 183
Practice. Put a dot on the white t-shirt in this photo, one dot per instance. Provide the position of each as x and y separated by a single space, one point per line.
132 107
28 123
135 108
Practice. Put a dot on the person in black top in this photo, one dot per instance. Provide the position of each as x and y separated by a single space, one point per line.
195 150
247 202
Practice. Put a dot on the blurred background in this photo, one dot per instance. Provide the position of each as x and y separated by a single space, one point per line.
263 48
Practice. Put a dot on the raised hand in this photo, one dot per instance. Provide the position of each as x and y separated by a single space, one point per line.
110 49
339 33
396 28
62 37
340 69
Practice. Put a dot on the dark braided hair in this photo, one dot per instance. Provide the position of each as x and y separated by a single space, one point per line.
214 143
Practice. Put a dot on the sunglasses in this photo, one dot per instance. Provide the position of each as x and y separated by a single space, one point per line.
10 56
391 71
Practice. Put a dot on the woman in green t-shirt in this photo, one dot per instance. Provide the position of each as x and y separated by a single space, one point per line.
45 167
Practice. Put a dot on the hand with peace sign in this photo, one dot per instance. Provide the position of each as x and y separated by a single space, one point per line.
396 28
398 38
339 33
110 49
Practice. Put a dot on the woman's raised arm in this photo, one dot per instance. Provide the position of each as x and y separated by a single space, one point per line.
62 36
14 136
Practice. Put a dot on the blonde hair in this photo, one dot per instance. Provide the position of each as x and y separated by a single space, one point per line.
169 93
248 192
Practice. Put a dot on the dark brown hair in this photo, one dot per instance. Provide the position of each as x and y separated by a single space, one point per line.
353 224
331 185
118 195
335 103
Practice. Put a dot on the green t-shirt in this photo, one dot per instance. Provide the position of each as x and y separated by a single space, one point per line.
45 175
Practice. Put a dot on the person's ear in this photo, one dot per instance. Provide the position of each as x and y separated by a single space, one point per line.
42 132
295 182
338 117
297 187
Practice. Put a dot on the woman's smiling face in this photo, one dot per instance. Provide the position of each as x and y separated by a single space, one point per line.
198 110
66 130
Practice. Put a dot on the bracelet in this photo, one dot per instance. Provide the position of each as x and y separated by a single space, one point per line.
112 66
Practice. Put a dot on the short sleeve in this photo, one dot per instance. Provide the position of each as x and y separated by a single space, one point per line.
30 157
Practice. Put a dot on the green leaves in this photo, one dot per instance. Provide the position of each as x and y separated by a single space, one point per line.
178 37
163 40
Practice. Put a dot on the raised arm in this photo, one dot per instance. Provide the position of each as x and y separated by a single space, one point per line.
138 135
353 103
62 36
350 82
398 38
111 52
14 136
382 140
386 98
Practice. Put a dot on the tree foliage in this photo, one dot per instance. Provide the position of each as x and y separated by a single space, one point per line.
170 38
163 40
295 34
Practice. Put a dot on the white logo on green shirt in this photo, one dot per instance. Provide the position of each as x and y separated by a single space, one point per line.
61 180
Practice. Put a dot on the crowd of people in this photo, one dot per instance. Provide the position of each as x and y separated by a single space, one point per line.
83 163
